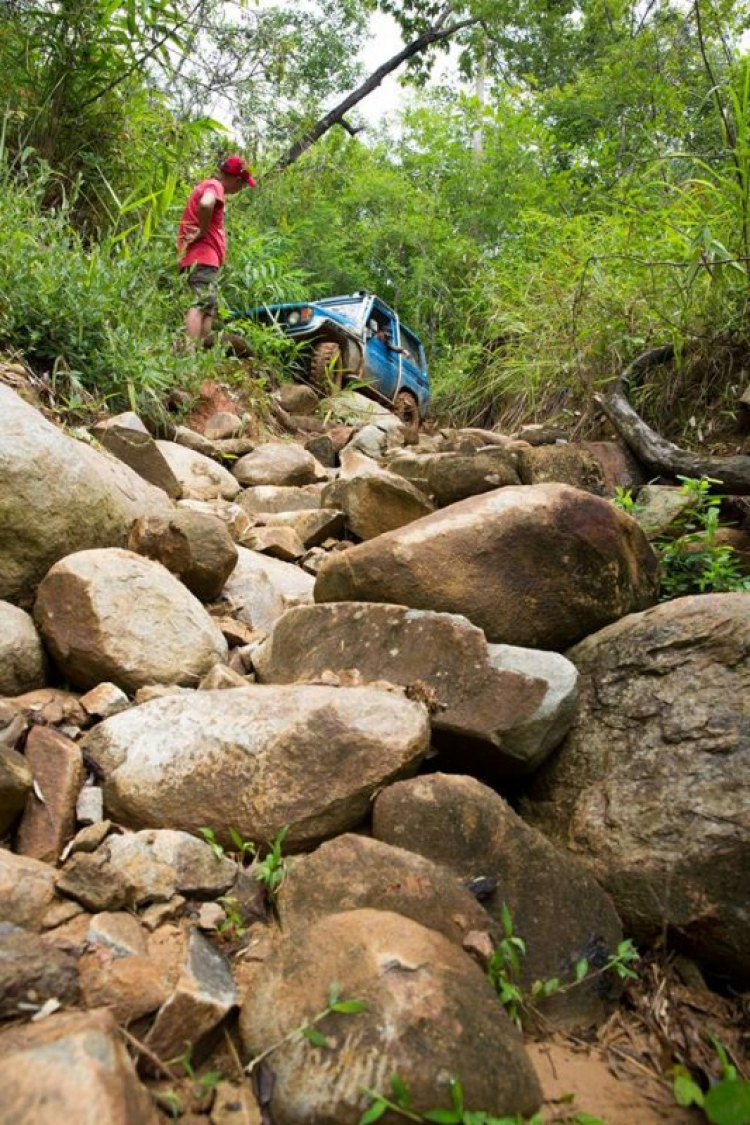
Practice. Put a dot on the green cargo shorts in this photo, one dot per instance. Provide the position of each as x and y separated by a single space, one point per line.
203 280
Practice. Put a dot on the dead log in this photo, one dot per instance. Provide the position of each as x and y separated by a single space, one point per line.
657 454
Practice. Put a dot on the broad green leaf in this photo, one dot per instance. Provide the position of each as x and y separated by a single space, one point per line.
728 1103
317 1038
374 1113
349 1007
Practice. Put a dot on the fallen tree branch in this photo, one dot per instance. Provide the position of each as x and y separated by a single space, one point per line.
434 34
653 451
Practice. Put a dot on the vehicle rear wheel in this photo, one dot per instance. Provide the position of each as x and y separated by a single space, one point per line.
327 366
406 407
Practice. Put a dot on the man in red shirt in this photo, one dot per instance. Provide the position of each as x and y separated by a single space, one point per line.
201 241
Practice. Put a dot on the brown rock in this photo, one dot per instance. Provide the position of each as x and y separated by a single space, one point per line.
450 477
112 615
22 663
537 566
204 995
234 1104
313 527
296 398
651 788
431 1013
501 709
224 424
279 498
278 542
353 872
323 450
15 786
49 821
197 548
200 476
53 706
142 867
564 464
126 438
104 700
31 972
82 499
260 588
619 468
220 678
27 890
375 503
556 907
258 758
72 1067
282 464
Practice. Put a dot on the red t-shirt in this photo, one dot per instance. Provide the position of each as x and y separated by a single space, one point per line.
210 250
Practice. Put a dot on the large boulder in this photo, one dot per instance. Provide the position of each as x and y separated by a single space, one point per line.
353 872
59 496
652 785
194 546
502 708
374 503
431 1015
260 589
258 758
538 566
277 463
72 1067
22 664
279 498
200 477
557 909
112 615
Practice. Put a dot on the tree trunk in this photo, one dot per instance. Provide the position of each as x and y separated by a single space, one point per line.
655 452
433 34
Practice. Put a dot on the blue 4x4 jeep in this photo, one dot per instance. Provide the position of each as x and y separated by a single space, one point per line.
357 337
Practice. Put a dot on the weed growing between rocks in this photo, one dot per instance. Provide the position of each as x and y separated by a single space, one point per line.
270 871
399 1102
506 963
692 560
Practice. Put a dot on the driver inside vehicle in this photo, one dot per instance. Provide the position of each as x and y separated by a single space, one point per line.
383 333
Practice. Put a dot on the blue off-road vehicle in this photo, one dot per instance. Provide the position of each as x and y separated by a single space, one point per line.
357 337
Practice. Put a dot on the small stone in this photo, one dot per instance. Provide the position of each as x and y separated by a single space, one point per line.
220 677
22 662
104 700
236 632
234 1104
27 890
222 425
158 913
157 691
90 805
210 916
278 542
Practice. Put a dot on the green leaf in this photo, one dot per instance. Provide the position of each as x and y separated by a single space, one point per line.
400 1091
374 1113
728 1103
581 969
317 1038
457 1094
443 1116
587 1119
686 1091
349 1007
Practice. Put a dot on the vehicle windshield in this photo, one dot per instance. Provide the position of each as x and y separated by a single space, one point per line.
350 310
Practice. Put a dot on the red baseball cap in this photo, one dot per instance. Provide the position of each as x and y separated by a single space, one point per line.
236 166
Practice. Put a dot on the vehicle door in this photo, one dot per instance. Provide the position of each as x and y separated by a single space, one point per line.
382 367
413 368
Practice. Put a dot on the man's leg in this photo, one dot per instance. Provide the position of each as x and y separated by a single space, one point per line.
200 316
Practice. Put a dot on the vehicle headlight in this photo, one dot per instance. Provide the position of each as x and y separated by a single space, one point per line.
294 317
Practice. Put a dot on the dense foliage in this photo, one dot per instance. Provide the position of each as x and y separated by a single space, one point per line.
592 196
